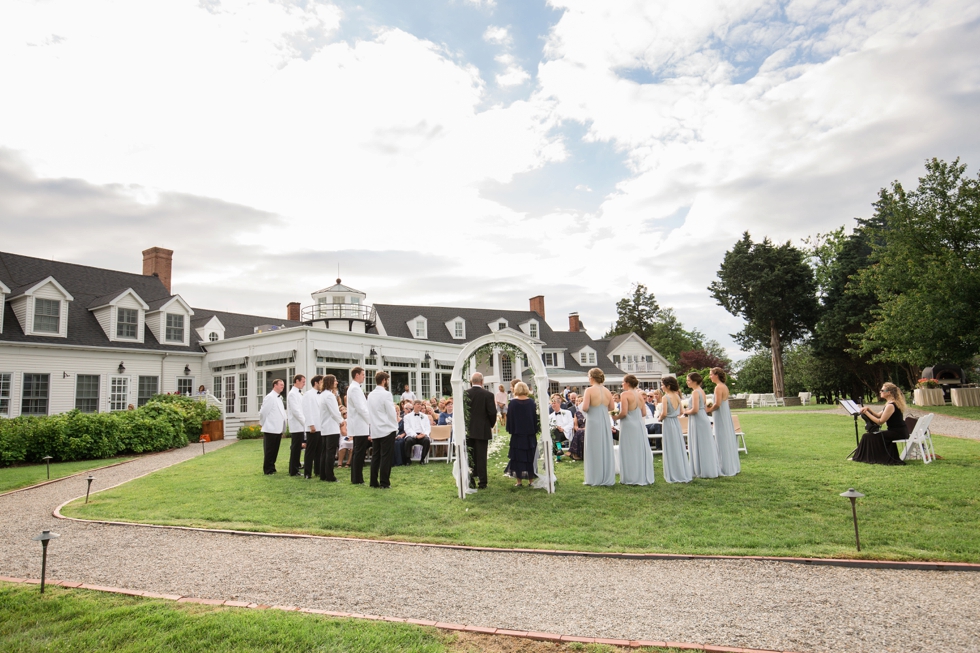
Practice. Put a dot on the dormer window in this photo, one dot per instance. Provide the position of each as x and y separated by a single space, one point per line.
175 328
213 337
47 315
127 323
501 325
419 328
533 329
458 331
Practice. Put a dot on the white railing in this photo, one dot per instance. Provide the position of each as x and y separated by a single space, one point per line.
640 366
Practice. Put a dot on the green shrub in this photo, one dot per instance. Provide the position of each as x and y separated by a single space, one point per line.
252 432
157 426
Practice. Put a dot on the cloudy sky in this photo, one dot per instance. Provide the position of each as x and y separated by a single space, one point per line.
467 152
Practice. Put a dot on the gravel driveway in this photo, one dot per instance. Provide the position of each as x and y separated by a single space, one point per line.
767 605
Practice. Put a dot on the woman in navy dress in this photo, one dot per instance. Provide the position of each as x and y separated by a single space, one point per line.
523 424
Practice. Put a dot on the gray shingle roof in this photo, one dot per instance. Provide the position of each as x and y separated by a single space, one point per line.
89 286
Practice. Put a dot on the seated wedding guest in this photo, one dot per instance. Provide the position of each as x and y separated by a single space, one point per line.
202 391
652 401
523 424
418 426
430 413
878 447
577 446
560 420
446 417
442 406
398 459
571 402
346 442
407 394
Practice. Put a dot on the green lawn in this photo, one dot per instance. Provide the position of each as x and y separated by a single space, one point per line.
12 478
80 620
785 502
967 412
788 409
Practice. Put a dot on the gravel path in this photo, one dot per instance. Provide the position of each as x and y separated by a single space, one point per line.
768 605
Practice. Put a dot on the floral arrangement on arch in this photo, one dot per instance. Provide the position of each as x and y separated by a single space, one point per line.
927 383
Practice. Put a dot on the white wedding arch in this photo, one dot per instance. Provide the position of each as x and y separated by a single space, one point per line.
461 468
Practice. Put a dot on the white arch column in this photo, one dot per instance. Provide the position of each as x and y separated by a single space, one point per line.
461 469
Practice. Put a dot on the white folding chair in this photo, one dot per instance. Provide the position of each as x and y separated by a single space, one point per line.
683 422
753 400
768 400
920 437
739 435
440 437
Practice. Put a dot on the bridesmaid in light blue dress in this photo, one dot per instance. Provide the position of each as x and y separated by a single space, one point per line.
635 457
704 451
724 429
600 465
677 467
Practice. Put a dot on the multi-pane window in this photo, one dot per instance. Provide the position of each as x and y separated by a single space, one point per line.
213 336
118 393
259 388
5 394
35 396
506 368
148 386
458 329
419 328
216 386
242 392
185 384
411 378
501 325
550 359
369 383
127 321
426 385
591 358
583 358
533 329
47 315
175 328
87 393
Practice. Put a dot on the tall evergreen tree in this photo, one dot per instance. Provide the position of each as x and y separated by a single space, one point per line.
773 289
635 313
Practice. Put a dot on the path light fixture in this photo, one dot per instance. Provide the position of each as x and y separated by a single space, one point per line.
854 495
44 538
47 462
121 368
89 479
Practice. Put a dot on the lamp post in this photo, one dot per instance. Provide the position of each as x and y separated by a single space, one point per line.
89 489
47 462
854 495
44 538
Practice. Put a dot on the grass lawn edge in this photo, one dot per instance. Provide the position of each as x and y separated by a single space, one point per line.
128 459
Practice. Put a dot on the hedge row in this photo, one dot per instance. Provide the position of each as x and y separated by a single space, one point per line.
163 423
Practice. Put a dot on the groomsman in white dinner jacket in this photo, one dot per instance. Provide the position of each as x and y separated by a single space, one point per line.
384 424
297 422
358 424
272 420
311 411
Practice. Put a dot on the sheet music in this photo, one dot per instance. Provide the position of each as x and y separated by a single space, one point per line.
851 407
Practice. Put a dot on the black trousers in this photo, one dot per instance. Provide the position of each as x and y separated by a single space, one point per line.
409 442
357 459
328 446
479 462
270 445
382 454
311 461
295 449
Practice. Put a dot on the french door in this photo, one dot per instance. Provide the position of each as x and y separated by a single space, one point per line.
229 393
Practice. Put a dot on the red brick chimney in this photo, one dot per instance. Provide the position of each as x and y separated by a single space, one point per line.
537 305
158 262
292 311
573 322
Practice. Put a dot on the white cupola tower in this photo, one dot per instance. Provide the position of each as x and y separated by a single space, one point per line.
342 308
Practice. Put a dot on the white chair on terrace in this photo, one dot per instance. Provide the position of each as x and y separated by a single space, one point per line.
920 437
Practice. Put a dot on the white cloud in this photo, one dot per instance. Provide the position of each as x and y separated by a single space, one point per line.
497 35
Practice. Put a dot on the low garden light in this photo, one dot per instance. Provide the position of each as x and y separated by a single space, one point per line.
854 495
44 538
202 446
89 489
47 462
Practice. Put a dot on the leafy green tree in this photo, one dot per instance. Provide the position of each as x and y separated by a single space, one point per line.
753 374
772 288
635 313
924 272
669 337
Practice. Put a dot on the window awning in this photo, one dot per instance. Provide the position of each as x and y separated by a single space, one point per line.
449 363
271 356
345 355
227 362
400 359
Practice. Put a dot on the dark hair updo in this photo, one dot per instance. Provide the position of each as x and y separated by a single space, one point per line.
697 378
670 383
720 373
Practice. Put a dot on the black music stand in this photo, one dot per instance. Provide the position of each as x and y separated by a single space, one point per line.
854 410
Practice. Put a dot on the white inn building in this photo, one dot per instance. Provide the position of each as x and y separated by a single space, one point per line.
95 340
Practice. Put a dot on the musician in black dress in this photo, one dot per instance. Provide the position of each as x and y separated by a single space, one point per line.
878 447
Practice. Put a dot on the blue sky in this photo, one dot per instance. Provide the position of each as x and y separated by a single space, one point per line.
467 152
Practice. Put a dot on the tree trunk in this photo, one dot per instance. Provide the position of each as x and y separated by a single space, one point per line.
777 360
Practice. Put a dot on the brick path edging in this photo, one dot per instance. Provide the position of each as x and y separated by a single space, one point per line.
545 637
